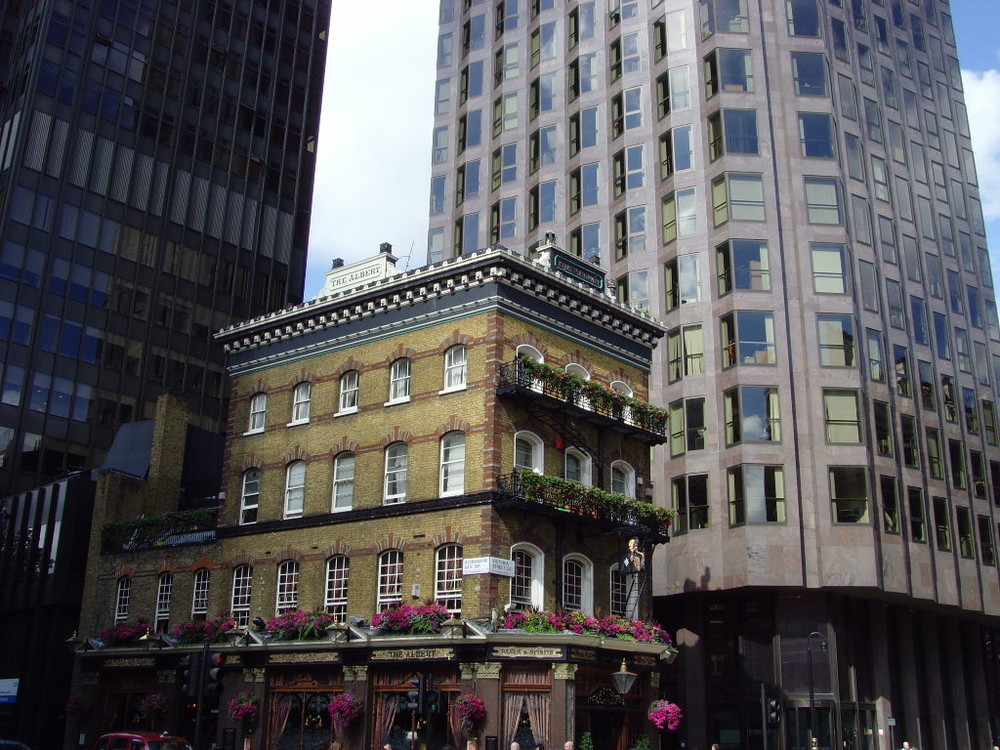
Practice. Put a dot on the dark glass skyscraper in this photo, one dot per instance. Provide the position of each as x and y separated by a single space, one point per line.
157 166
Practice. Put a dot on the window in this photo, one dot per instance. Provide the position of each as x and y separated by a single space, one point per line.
747 338
258 408
455 360
876 355
164 589
528 453
756 494
682 281
956 459
909 439
849 494
935 462
633 289
733 131
752 415
942 524
578 584
630 232
390 580
739 197
301 398
628 170
890 505
618 591
728 70
343 482
242 588
686 422
904 381
971 410
622 479
803 18
742 264
349 382
397 458
526 585
987 548
578 467
685 352
542 148
584 186
884 442
680 214
399 381
288 587
338 570
250 499
841 416
582 130
504 113
448 578
822 200
809 71
829 268
966 542
676 151
728 17
673 91
690 501
452 464
295 488
199 595
583 74
836 340
504 165
816 135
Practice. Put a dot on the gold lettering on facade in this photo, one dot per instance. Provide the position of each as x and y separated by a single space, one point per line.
304 657
128 662
528 652
582 654
412 653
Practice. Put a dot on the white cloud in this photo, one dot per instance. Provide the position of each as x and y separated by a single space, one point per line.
982 98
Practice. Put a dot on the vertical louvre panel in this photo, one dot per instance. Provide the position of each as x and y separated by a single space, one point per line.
158 199
8 138
234 217
122 174
248 240
38 136
283 251
100 172
81 158
216 212
57 149
139 195
182 187
267 232
198 204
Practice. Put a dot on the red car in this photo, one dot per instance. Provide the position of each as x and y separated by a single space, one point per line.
141 741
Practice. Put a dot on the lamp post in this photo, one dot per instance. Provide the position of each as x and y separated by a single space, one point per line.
813 728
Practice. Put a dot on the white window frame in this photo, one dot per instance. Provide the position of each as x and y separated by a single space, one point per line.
123 592
350 383
623 478
338 573
452 474
344 466
537 463
586 466
295 489
287 595
390 580
617 590
578 584
448 577
455 369
301 402
258 413
397 460
199 593
532 585
164 592
399 381
250 497
242 591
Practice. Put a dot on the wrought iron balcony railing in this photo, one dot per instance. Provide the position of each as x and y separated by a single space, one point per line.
171 530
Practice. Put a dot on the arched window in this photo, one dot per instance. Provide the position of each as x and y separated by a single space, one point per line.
619 386
242 588
452 464
338 570
578 467
250 499
580 398
526 589
164 590
578 584
199 595
397 461
123 593
390 579
349 388
295 489
301 399
455 368
529 452
623 479
288 587
448 578
258 409
529 352
399 381
343 482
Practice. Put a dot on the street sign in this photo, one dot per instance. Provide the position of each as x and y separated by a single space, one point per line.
8 690
474 566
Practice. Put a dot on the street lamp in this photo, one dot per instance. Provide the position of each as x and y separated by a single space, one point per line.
623 679
813 728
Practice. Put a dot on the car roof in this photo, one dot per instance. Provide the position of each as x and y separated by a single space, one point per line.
143 736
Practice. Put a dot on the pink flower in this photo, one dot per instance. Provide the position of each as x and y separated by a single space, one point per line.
664 713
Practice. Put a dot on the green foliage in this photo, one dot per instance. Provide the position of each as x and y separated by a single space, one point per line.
151 531
586 741
641 743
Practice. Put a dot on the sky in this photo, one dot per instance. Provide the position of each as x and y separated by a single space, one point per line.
373 170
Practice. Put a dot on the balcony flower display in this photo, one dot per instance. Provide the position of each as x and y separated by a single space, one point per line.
470 710
665 715
125 633
152 705
593 501
419 619
199 631
244 706
608 626
300 625
344 710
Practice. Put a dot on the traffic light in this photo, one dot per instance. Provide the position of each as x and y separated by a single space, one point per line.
416 699
432 701
773 711
213 677
192 675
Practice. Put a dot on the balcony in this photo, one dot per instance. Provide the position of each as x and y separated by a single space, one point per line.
171 530
584 400
606 509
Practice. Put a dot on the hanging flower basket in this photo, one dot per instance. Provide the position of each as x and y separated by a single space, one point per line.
345 709
665 714
244 706
470 710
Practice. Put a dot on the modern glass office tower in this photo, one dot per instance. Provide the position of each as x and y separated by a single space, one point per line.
157 163
790 188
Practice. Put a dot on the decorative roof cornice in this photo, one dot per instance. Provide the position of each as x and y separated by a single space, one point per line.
496 265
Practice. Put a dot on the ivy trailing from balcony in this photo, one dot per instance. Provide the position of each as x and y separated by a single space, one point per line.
593 501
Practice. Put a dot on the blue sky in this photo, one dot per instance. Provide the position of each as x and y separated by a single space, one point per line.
373 173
